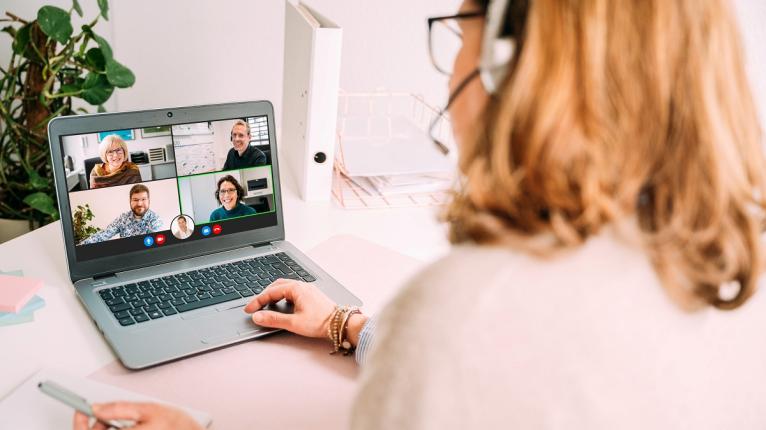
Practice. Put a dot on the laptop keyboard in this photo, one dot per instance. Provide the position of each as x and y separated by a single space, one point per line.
160 297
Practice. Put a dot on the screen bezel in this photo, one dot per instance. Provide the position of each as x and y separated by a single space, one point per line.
85 124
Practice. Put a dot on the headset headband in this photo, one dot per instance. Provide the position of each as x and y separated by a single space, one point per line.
496 50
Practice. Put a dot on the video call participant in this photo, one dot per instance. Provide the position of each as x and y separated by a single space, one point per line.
137 221
181 229
229 194
242 154
115 169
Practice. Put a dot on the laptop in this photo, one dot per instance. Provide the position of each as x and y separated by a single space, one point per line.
172 221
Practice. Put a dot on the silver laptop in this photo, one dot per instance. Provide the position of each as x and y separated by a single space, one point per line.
172 221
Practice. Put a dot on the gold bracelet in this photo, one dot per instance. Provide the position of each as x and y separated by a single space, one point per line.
332 328
345 345
335 329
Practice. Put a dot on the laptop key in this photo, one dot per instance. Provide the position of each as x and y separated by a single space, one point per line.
120 307
309 278
115 301
169 311
138 304
164 305
246 293
284 268
127 321
122 314
207 302
177 302
155 314
264 282
136 312
141 317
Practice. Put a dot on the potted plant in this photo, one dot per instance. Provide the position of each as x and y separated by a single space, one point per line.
51 66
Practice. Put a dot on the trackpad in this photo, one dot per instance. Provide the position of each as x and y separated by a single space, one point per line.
229 325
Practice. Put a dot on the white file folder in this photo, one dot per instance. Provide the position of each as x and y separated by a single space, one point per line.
310 99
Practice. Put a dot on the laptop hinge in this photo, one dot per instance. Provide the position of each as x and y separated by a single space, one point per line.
103 275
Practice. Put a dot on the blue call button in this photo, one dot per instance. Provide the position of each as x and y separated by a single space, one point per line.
148 241
206 230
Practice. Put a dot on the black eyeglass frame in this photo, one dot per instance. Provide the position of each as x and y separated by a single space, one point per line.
432 20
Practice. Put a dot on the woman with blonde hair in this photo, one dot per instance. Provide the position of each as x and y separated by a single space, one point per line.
115 169
607 233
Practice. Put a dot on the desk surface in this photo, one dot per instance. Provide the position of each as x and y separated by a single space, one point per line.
63 336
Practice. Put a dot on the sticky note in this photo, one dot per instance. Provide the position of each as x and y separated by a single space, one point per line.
18 319
34 304
16 291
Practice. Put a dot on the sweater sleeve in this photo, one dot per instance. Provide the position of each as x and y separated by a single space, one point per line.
366 338
407 381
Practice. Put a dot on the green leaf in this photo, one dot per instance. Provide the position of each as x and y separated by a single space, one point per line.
101 109
10 30
21 41
69 88
55 22
119 75
96 89
103 5
77 8
41 202
95 58
37 181
106 50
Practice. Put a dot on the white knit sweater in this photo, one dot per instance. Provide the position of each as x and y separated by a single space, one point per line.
490 338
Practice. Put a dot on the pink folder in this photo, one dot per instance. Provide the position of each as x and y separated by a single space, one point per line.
16 291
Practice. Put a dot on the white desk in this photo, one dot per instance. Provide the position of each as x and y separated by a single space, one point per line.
63 335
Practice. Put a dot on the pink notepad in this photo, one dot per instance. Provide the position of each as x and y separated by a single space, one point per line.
16 291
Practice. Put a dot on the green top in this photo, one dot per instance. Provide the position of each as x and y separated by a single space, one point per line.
240 210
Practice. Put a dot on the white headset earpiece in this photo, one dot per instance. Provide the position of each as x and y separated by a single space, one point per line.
496 50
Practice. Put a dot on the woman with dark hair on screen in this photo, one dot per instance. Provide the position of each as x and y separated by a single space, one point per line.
230 194
607 234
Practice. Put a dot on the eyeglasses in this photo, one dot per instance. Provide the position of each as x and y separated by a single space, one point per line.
227 190
445 39
117 151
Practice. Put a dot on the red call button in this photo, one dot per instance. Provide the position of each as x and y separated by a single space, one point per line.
217 229
160 239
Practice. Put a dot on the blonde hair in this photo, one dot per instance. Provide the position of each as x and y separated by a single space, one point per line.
109 141
244 123
615 109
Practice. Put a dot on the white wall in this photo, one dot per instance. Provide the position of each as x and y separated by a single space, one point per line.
187 52
81 147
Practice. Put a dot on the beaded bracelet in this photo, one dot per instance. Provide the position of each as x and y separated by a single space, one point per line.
338 321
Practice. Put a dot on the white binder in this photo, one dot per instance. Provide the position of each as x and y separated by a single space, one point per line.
310 99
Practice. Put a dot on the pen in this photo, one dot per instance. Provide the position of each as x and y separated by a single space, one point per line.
78 403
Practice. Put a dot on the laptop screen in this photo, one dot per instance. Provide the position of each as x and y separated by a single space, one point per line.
158 187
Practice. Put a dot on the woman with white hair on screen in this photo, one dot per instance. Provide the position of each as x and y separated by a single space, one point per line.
115 169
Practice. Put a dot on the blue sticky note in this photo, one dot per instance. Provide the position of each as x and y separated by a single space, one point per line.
18 319
12 273
34 304
27 313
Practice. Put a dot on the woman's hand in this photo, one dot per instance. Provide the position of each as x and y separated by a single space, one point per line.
147 416
312 308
